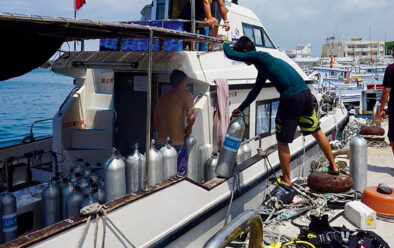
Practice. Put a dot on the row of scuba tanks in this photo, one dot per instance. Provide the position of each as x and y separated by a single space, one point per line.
86 184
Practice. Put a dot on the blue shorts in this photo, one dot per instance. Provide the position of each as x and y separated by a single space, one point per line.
182 158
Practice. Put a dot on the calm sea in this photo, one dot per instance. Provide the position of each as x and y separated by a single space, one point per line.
34 96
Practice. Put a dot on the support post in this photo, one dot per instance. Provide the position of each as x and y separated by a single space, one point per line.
148 109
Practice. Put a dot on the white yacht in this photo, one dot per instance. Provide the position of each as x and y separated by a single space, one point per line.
109 107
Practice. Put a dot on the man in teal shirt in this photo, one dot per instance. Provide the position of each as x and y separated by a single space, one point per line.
295 106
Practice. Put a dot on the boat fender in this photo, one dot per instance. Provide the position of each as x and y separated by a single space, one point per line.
372 130
326 183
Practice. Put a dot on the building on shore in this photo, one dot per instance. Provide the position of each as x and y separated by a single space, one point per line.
364 49
334 45
303 50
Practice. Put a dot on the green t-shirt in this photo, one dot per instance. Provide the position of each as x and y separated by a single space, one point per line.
284 77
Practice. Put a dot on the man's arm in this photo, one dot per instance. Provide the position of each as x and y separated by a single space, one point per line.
223 14
190 117
260 81
240 56
387 85
207 10
383 100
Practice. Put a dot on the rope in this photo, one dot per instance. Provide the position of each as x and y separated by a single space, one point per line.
100 213
236 183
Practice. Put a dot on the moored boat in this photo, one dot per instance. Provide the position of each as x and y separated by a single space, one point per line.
109 107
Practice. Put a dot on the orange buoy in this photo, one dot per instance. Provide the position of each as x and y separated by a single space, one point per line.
383 204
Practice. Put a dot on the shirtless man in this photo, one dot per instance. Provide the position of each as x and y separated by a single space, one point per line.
169 117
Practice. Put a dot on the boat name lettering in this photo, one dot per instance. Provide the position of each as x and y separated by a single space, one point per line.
231 143
69 124
107 80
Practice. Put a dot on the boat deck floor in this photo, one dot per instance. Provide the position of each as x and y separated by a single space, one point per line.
380 169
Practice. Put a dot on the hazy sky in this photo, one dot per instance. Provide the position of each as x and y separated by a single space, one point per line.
287 21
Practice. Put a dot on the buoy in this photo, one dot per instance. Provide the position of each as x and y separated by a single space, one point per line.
383 204
326 183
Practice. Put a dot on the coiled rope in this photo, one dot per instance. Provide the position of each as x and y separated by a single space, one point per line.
100 213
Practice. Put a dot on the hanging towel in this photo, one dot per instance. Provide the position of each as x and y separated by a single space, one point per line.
222 114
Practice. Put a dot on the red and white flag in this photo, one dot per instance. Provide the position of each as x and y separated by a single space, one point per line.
78 4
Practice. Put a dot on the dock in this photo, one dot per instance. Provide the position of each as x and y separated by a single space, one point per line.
380 170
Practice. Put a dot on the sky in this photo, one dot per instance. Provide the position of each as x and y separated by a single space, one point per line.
287 21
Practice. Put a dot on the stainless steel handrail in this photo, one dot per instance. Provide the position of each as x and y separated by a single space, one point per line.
31 135
248 220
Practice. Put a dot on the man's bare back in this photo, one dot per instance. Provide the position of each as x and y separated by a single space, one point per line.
170 112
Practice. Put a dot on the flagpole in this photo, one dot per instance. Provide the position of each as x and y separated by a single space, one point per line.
75 17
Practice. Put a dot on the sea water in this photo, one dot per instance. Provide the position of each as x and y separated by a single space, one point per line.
34 96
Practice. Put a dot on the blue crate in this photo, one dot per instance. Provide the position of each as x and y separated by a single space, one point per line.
109 44
173 45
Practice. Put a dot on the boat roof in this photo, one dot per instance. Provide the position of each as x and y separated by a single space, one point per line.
37 38
77 29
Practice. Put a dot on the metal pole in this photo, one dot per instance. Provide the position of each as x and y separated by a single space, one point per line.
75 17
148 109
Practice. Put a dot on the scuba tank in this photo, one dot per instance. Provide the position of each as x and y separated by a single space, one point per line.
240 156
73 202
99 168
210 166
115 178
75 178
59 180
231 143
94 177
155 171
78 166
9 225
51 208
204 152
99 195
90 199
170 159
66 190
192 163
247 150
135 171
87 169
358 162
84 183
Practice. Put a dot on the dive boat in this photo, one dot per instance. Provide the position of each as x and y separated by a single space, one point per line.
110 107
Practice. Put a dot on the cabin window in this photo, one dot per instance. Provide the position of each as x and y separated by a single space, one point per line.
257 35
265 117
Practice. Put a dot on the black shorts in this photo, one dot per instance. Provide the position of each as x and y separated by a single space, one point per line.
296 110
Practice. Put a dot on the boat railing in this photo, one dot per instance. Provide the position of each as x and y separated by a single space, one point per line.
250 221
65 100
168 21
31 138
